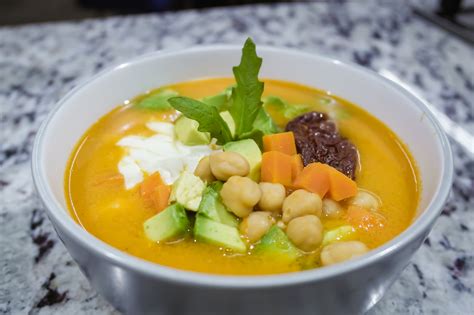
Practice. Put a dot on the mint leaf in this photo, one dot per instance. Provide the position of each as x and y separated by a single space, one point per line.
158 100
246 95
206 115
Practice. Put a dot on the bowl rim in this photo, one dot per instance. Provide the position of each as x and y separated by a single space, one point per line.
66 223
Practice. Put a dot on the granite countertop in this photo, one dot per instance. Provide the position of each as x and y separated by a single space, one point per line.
40 63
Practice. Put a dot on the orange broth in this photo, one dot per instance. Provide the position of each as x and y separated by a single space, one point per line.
99 202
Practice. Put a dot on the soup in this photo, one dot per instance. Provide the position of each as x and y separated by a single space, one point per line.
315 181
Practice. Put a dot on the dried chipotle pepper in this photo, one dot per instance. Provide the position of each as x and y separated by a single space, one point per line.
317 140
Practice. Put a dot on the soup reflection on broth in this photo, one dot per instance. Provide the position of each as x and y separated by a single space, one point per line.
229 185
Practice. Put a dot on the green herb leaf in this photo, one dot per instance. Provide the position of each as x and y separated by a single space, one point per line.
284 108
158 100
276 102
265 123
206 115
325 100
255 135
221 101
248 92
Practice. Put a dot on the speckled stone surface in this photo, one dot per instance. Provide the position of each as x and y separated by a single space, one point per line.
40 63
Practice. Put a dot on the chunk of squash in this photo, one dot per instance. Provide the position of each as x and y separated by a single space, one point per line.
276 168
314 178
283 142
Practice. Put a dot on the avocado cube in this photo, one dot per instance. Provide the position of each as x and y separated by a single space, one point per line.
187 132
342 233
229 121
249 149
211 206
187 190
170 224
276 244
219 234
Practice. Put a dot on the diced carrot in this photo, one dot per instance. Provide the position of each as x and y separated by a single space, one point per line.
283 142
148 186
276 168
321 178
364 219
314 178
161 197
340 186
296 166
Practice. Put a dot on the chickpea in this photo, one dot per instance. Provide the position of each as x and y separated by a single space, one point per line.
365 199
339 252
272 197
256 225
301 202
305 232
240 195
332 209
226 164
203 170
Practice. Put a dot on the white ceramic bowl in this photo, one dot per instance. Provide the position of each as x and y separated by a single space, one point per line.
136 286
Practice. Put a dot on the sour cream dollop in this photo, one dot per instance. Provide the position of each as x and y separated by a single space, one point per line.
161 152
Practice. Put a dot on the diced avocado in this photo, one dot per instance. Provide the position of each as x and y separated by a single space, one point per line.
170 224
158 100
276 243
342 233
210 231
187 190
249 149
212 207
229 121
186 131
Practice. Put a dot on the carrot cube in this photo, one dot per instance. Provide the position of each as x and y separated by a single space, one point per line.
340 186
314 178
296 166
276 168
148 186
283 142
161 197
